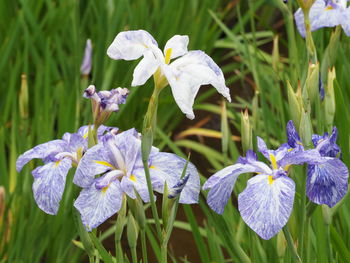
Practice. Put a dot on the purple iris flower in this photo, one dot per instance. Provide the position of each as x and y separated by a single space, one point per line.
85 67
325 13
118 160
58 157
267 202
327 181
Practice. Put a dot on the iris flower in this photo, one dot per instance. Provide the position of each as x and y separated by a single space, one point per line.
327 181
267 202
325 13
58 157
185 75
118 160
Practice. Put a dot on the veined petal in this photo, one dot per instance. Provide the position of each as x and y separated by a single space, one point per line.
221 183
293 136
327 183
97 205
130 45
145 69
168 167
41 151
49 183
265 206
299 156
178 45
96 160
136 182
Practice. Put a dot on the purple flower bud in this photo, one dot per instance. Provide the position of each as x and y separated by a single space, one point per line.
85 67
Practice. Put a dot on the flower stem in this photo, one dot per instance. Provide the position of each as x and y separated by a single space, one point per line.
291 244
134 255
144 247
164 251
309 40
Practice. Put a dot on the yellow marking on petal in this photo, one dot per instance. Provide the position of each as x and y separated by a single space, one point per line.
273 161
168 55
133 178
270 179
330 7
104 189
152 167
86 135
57 163
286 168
104 163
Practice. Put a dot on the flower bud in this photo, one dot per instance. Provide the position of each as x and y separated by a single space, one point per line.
329 100
275 54
305 128
312 81
246 131
295 104
23 98
281 244
86 64
132 231
327 214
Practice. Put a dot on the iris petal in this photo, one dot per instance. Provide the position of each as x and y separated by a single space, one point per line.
49 183
266 205
327 183
178 45
145 69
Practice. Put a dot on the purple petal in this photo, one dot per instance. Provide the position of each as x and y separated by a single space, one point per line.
169 167
326 144
49 182
96 160
299 156
327 183
293 136
136 182
266 205
41 151
97 205
221 183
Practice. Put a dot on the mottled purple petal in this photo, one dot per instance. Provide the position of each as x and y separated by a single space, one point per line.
327 183
96 160
292 135
41 151
169 167
136 182
266 205
49 183
221 183
299 156
326 144
97 205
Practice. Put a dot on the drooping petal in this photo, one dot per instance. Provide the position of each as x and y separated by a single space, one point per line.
136 182
49 183
300 156
221 183
130 45
178 45
265 205
186 74
169 167
96 160
41 151
97 205
145 69
327 183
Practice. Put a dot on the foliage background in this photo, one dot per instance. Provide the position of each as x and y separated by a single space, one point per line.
45 40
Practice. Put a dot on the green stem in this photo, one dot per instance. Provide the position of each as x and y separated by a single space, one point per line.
291 244
144 247
164 251
134 255
309 40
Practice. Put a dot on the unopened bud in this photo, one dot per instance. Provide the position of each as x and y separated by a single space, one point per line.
295 104
86 64
327 215
132 231
246 131
329 100
305 128
23 98
275 54
312 81
281 244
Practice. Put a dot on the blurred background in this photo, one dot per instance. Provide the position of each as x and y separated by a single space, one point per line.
255 43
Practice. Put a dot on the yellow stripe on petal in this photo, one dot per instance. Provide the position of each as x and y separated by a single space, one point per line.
273 161
133 178
168 55
270 179
86 135
152 167
104 189
330 7
105 164
57 163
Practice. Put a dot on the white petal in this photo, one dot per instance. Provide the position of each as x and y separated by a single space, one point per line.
178 45
130 45
145 69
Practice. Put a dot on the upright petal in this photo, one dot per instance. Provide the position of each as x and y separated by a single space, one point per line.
221 183
96 160
169 167
97 205
327 183
130 45
176 46
86 64
41 151
49 183
298 156
266 205
145 69
292 135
